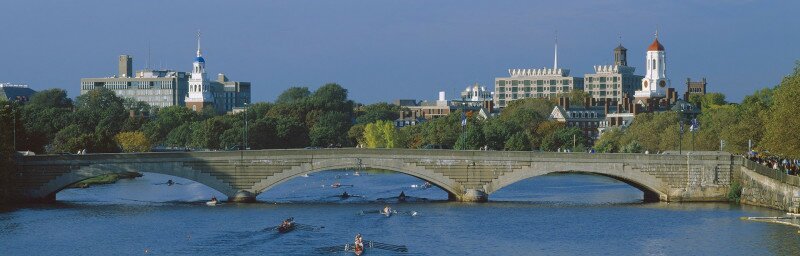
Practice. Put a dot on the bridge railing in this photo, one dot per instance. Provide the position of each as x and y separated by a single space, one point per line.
772 173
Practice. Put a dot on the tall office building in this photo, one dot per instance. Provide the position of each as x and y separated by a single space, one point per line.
164 88
612 82
534 83
158 88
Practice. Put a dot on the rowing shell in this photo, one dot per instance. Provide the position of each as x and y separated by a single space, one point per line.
287 228
358 250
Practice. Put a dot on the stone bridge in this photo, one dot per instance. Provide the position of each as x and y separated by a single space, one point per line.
464 175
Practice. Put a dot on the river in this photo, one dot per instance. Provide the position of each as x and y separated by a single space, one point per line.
558 214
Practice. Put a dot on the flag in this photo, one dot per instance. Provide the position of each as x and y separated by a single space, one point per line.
463 119
695 125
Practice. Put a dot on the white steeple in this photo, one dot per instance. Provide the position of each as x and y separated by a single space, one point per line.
655 82
555 59
199 87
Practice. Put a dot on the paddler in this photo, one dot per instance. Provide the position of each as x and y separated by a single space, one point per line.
401 197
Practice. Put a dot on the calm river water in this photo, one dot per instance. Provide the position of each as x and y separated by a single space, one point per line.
563 214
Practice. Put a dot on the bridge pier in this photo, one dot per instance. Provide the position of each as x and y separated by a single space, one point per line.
474 195
243 196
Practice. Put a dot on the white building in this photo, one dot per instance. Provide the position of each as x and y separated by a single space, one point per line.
655 82
199 87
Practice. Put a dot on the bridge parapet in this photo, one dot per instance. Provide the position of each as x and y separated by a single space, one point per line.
465 175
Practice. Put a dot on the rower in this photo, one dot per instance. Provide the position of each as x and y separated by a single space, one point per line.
170 182
213 199
401 197
358 242
387 209
345 195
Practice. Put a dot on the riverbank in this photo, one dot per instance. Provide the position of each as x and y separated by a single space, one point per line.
105 179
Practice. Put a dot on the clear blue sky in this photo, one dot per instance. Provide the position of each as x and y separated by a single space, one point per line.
385 50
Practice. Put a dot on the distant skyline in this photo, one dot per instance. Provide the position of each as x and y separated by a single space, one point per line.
387 50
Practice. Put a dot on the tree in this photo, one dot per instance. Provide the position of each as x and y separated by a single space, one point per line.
495 133
99 113
473 138
6 150
781 136
42 117
632 147
331 128
609 142
378 111
356 134
373 136
71 139
51 98
133 142
180 136
263 134
518 142
293 94
166 120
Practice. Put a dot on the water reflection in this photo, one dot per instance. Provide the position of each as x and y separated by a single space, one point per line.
553 214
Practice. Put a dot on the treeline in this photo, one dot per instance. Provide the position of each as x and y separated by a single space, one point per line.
523 125
769 119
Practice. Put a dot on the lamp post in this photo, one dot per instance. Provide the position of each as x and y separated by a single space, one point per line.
245 127
13 123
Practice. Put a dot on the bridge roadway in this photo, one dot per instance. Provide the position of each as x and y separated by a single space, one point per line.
464 175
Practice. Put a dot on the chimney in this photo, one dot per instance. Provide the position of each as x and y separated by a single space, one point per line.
125 66
222 78
402 115
441 96
674 97
566 103
635 109
592 102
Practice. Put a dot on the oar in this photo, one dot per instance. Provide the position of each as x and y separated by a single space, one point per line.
270 228
370 211
307 227
388 247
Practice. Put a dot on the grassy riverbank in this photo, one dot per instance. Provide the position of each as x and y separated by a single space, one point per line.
106 179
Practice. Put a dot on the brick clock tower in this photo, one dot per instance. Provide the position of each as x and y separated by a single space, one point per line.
199 87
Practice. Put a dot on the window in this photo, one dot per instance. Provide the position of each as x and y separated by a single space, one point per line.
539 89
653 66
552 88
539 82
565 81
602 79
552 82
527 82
514 82
514 89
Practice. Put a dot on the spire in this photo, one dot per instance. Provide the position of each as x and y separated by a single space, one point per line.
555 60
198 44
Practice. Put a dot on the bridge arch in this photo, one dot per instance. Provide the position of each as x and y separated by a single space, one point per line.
53 186
652 187
450 186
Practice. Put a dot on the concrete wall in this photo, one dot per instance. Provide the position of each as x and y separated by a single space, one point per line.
765 187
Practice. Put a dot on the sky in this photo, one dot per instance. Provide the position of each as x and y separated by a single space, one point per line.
387 50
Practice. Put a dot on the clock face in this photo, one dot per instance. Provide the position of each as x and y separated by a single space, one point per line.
645 84
662 83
